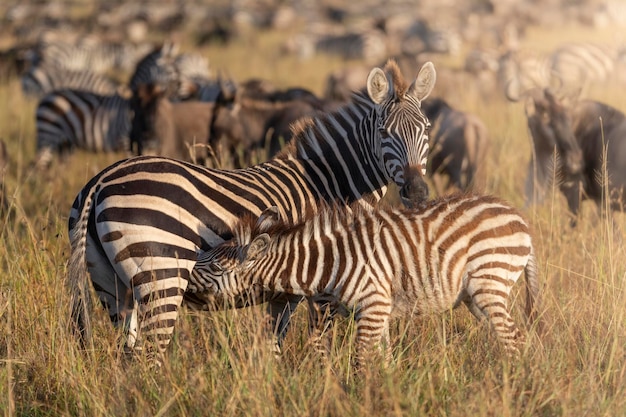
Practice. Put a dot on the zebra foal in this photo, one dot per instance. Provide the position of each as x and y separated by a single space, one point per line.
383 263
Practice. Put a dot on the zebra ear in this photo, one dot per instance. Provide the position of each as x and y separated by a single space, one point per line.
258 247
378 86
425 81
269 217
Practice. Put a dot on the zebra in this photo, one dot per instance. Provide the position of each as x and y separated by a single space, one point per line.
571 65
137 227
192 72
92 54
69 119
156 67
45 78
381 263
584 62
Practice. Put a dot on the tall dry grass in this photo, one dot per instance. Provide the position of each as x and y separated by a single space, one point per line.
220 364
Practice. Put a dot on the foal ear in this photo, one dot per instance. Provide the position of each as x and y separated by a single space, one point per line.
258 247
378 86
269 217
425 82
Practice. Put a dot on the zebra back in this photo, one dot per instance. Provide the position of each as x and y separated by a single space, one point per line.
45 78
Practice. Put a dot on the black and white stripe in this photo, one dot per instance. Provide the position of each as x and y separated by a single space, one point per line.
92 54
156 67
69 119
572 65
138 226
458 249
45 78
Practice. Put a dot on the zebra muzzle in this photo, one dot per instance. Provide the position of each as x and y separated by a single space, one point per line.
414 191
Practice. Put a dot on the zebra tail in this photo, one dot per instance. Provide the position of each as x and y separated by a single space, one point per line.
78 275
532 289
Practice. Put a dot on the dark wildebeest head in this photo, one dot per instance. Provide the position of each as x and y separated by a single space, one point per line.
260 117
552 129
458 146
168 128
556 149
587 139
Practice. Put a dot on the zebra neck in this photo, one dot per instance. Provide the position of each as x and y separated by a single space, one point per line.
339 154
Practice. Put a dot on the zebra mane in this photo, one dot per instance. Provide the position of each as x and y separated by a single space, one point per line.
399 83
307 130
250 226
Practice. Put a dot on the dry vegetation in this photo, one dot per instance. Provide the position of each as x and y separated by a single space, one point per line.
220 364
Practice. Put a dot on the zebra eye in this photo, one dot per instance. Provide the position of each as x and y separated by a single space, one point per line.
218 268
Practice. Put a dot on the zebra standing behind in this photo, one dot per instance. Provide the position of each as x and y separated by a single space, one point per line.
69 119
137 227
382 263
45 78
571 66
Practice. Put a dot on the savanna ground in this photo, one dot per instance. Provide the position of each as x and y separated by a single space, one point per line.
220 364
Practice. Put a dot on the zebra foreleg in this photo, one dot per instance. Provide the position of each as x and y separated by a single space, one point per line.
321 316
372 328
280 308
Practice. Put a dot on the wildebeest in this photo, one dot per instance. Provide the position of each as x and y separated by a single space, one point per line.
175 129
582 145
255 120
459 143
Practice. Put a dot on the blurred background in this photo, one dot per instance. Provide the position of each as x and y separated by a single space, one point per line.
79 84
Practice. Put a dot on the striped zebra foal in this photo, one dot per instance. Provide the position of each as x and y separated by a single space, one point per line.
68 119
381 263
137 228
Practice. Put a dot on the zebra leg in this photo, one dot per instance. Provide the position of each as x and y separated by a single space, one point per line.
372 326
156 310
321 316
488 295
114 294
43 159
280 308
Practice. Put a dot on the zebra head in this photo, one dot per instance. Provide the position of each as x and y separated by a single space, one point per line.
221 272
402 128
229 269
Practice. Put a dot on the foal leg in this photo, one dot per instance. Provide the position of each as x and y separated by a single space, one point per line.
488 299
372 325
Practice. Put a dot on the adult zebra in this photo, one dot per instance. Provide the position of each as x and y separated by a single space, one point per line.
69 119
138 226
571 65
45 78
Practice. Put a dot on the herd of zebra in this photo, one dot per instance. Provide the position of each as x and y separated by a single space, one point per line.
164 228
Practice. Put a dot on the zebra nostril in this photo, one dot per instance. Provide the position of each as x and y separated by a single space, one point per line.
414 192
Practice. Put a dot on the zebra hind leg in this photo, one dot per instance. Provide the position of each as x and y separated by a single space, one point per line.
154 316
487 301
